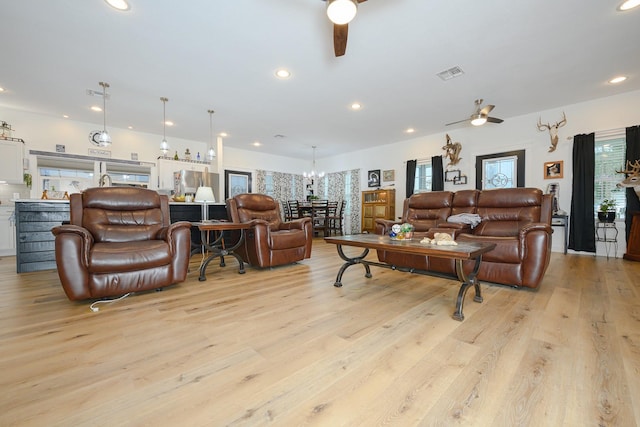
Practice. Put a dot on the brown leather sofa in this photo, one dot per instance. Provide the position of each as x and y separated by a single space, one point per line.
120 240
270 241
517 220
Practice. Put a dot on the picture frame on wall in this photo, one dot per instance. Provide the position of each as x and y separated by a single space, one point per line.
373 178
452 175
236 182
389 175
553 170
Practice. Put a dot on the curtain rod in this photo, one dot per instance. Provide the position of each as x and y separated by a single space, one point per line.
419 160
607 132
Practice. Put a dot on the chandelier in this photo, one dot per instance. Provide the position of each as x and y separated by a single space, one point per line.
313 172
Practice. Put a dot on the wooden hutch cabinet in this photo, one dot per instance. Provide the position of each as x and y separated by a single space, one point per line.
377 204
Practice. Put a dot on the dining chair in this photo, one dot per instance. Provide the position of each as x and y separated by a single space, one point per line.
319 211
294 209
335 219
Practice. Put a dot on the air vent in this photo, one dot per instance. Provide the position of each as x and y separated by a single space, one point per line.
450 73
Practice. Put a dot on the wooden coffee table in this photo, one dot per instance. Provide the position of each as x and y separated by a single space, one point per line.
459 253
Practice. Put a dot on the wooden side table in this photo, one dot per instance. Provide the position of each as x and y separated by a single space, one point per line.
216 248
633 245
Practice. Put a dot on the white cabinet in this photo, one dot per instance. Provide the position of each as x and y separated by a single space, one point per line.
11 161
7 231
167 167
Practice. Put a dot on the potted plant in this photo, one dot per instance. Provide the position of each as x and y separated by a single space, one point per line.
607 210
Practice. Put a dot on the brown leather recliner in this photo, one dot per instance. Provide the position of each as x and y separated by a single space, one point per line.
269 241
120 240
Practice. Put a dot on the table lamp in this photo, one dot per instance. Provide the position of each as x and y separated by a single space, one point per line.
204 195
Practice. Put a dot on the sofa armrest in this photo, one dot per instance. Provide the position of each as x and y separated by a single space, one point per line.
535 226
166 233
77 237
383 226
296 224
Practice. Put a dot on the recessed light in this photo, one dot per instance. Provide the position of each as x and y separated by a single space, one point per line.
356 106
628 4
96 108
168 123
257 144
618 79
129 127
118 4
1 89
283 73
223 134
65 116
410 130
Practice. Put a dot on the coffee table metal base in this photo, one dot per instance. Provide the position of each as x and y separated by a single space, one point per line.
467 280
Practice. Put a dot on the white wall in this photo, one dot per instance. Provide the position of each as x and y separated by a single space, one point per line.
514 133
42 132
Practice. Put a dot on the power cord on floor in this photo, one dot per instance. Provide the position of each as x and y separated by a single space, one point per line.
94 306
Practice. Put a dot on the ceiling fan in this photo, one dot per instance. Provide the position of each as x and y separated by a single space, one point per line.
480 116
341 12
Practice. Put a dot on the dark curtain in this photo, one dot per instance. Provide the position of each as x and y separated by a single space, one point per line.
437 174
411 176
581 221
633 154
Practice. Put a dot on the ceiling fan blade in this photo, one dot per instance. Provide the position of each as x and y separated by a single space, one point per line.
361 1
494 120
340 33
487 109
455 123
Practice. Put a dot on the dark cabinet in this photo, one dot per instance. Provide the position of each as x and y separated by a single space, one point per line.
35 244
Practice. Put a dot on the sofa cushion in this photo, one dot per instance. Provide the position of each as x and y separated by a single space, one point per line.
427 210
286 239
507 249
505 211
128 256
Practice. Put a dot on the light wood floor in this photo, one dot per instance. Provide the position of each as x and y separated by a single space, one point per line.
284 347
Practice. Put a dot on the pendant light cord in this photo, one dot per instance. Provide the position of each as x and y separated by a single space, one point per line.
104 105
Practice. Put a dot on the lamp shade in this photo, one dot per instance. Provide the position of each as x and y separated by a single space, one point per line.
205 194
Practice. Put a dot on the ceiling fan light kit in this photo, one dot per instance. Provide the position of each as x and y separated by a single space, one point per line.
478 120
341 12
480 116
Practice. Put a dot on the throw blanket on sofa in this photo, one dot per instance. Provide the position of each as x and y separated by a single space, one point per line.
465 218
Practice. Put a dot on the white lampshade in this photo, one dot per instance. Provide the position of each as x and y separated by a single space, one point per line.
205 194
341 11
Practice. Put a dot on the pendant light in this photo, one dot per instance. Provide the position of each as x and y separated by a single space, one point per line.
164 145
104 140
313 172
211 154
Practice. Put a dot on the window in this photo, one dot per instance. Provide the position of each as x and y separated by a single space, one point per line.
500 170
423 177
610 155
268 185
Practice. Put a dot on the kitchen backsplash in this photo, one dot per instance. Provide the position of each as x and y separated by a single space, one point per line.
7 193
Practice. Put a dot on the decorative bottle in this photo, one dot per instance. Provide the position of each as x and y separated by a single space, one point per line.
175 156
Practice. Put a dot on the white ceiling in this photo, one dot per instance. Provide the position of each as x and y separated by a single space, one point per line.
523 56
